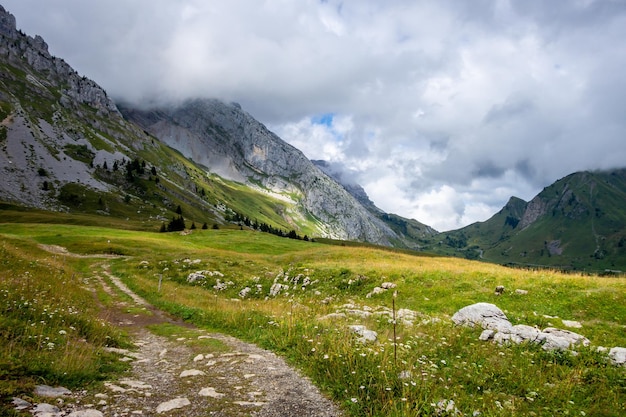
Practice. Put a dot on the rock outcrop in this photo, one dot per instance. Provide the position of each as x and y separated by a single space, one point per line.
497 327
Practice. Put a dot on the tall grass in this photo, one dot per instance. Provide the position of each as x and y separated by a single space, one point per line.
48 324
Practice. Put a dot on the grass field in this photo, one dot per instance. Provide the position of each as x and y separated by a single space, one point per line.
431 368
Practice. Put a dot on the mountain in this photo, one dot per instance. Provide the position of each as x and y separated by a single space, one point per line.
229 142
67 147
576 223
412 233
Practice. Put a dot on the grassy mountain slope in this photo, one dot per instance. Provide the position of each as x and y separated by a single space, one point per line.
65 147
576 223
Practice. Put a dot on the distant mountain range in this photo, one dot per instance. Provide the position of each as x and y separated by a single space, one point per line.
577 223
66 146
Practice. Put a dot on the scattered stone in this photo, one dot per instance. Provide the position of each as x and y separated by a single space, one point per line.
375 291
359 313
521 292
52 392
135 384
366 335
210 392
333 316
256 357
42 408
250 403
388 285
179 402
571 323
618 356
248 376
20 404
499 290
198 358
191 372
90 412
114 388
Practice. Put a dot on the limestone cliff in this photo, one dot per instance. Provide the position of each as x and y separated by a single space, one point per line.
231 143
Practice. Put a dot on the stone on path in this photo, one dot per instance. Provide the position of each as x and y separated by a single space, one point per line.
210 392
191 372
179 402
86 413
43 408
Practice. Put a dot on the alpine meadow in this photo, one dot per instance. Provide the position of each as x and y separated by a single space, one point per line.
137 243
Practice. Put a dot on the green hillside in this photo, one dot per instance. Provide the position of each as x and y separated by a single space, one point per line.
577 223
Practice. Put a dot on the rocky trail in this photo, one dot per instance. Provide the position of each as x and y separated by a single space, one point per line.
190 372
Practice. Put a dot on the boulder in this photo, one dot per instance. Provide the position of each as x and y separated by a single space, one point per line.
485 315
618 356
559 339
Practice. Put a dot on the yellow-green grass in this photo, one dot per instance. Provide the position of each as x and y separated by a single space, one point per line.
48 323
435 359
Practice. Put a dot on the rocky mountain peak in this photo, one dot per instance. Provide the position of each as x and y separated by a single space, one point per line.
31 54
8 26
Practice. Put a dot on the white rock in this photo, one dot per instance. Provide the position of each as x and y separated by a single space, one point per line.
48 391
485 315
179 402
618 355
359 313
388 285
571 323
20 404
45 408
375 291
487 334
135 384
527 333
406 314
521 292
198 358
559 339
210 392
366 335
191 372
114 388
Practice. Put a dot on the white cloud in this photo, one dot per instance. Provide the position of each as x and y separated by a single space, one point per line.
442 110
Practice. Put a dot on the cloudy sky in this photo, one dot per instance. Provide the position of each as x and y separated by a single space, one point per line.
440 109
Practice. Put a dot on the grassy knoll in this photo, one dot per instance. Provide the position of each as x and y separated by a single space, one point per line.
432 361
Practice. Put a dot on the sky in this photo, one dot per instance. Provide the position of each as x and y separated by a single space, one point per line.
442 110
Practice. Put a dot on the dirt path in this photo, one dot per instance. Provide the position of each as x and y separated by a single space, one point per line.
189 373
